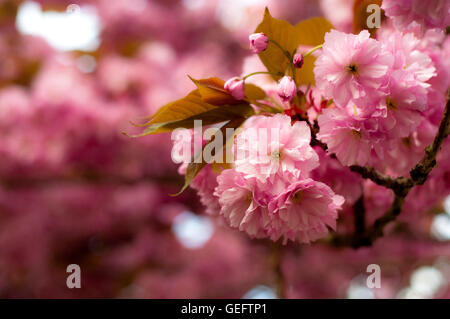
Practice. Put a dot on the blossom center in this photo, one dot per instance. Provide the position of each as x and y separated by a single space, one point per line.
390 104
276 155
249 198
352 68
356 133
297 197
407 141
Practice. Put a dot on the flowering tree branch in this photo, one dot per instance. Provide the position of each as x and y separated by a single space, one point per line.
400 186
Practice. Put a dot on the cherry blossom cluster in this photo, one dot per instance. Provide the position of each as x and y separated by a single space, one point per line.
377 101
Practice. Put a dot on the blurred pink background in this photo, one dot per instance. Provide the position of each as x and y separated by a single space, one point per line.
74 190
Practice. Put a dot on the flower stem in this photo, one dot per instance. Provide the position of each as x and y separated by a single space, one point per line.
312 50
255 73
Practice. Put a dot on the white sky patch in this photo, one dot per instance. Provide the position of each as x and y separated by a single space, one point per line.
66 31
191 230
260 292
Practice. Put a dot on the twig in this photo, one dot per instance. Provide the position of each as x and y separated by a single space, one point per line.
359 211
396 184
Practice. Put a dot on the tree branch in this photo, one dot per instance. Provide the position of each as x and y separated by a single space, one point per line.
359 211
381 179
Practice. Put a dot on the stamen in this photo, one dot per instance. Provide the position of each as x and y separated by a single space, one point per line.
297 197
390 104
276 154
352 68
356 133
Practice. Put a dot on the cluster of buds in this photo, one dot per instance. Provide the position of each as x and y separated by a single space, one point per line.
287 87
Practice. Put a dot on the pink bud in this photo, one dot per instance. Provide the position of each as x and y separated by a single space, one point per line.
236 87
258 42
286 88
298 60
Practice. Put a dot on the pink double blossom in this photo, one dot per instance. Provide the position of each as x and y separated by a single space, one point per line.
352 68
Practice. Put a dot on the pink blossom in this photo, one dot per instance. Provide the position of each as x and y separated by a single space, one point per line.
352 67
271 145
304 211
403 105
236 87
344 137
258 42
429 14
238 204
292 210
286 88
408 56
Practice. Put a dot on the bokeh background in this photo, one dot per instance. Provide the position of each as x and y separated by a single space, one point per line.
74 190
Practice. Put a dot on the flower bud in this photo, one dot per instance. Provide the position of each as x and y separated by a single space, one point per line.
298 60
236 87
258 42
286 88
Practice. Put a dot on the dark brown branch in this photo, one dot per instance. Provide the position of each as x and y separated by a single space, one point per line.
359 211
420 172
381 179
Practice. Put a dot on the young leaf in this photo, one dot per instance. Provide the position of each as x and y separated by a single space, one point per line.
253 92
189 106
310 32
213 116
284 34
212 91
